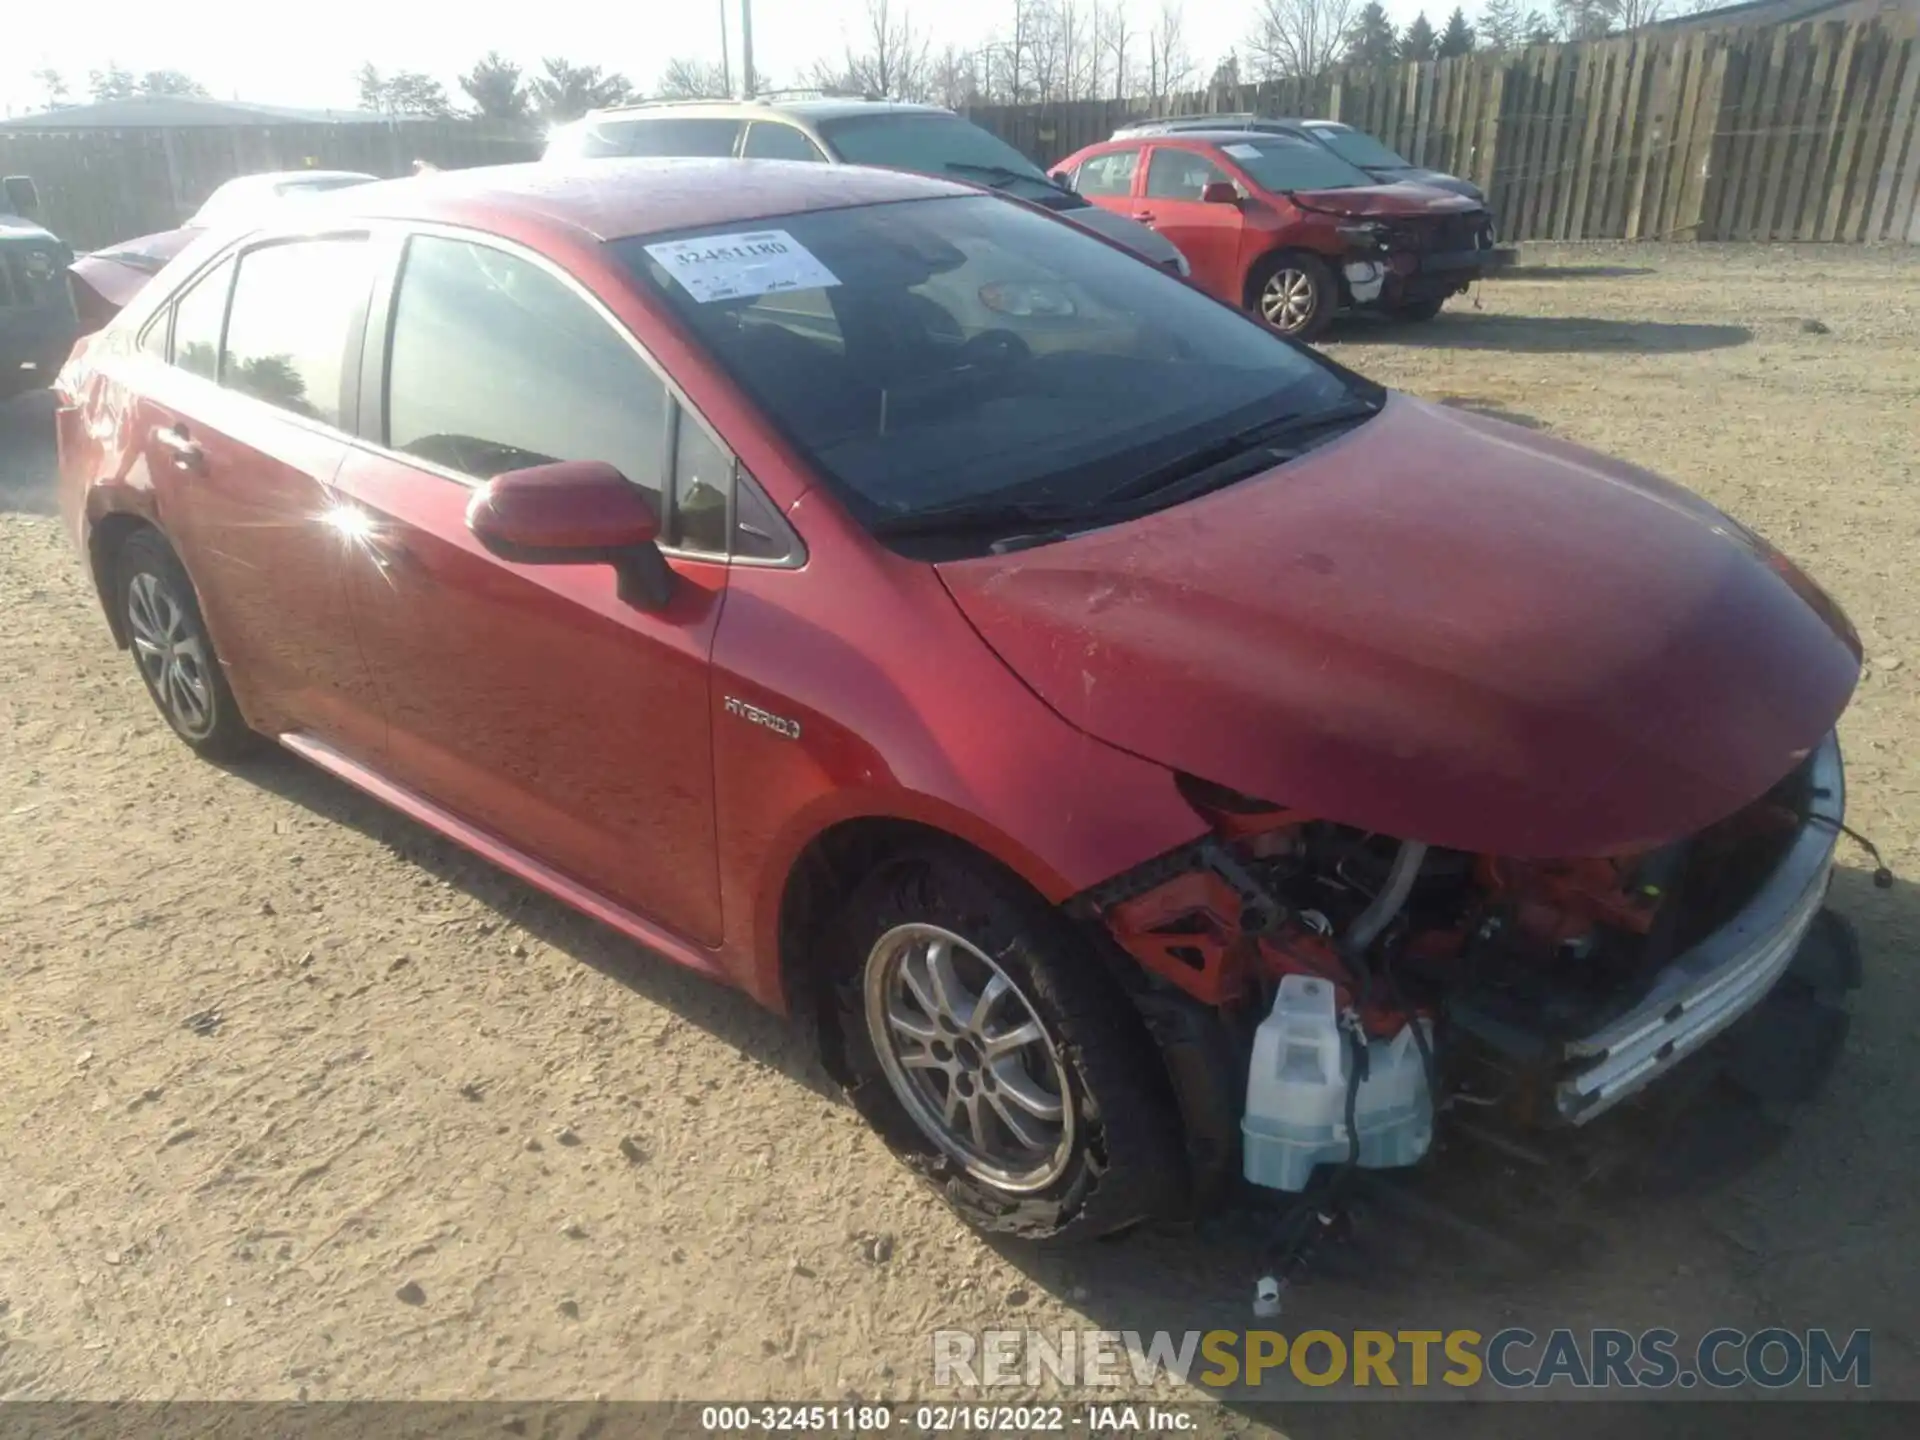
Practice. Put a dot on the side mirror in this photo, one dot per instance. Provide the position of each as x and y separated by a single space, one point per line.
1062 178
575 512
22 197
1219 192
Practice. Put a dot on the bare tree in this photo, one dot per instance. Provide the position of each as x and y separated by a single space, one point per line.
890 58
1298 37
685 79
1116 40
955 78
1169 63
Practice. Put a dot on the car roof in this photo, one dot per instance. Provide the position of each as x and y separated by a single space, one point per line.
269 178
825 107
1224 136
612 199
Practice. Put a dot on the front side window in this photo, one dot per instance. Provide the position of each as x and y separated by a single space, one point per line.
295 307
1282 163
1181 174
496 365
933 353
770 140
1108 174
198 317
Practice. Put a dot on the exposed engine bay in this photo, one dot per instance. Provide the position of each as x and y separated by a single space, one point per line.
1370 983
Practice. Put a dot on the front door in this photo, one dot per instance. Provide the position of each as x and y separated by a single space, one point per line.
1208 235
529 699
242 432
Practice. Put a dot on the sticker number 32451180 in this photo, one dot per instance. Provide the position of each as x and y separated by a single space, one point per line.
734 267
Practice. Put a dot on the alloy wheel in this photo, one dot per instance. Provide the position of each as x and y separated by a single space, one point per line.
1287 299
968 1057
171 654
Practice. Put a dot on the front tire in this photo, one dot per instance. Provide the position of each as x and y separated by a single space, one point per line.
982 1041
1296 294
173 651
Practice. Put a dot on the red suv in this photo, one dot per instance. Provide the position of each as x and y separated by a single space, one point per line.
1284 228
1139 741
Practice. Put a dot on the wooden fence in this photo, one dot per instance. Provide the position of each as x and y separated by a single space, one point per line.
1808 132
99 186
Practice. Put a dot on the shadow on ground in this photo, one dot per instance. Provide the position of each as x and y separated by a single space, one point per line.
1571 272
726 1014
26 454
1492 410
1543 334
1483 1233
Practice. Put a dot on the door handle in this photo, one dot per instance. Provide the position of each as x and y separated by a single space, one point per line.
186 451
1145 217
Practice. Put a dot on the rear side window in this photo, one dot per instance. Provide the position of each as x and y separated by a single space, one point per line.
295 307
686 135
770 140
198 317
1108 174
497 365
702 483
1180 174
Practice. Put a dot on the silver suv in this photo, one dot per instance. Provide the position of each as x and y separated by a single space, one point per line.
894 136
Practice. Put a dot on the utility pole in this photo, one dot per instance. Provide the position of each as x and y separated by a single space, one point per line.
726 61
746 48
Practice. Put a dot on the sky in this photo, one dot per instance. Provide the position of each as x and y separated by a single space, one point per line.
306 55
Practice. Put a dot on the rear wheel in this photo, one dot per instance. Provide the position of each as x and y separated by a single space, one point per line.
174 653
983 1042
1418 310
1296 294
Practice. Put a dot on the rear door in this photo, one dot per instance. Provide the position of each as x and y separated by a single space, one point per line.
1208 235
530 699
242 432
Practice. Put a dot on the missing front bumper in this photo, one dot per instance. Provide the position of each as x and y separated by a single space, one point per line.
1703 991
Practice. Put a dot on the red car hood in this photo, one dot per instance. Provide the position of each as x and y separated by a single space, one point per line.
1403 198
1440 628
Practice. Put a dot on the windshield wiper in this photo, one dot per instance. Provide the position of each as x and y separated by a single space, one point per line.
987 515
998 176
1242 454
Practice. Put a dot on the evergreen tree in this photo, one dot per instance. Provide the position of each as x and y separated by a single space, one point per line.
1457 38
1418 43
1372 43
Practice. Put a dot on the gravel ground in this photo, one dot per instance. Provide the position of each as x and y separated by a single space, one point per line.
300 1101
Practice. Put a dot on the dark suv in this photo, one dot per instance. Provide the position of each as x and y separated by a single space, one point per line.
841 131
37 324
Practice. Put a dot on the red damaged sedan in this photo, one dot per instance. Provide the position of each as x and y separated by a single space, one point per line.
1155 754
1284 228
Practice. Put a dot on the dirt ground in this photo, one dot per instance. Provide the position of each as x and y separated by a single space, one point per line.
297 1100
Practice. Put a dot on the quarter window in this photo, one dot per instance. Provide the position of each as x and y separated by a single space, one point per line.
497 365
198 317
1108 174
690 135
702 481
295 308
769 140
1180 174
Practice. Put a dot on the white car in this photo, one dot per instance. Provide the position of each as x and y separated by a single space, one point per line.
247 194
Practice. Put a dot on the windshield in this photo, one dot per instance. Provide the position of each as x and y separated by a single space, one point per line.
1358 148
931 354
1284 163
935 145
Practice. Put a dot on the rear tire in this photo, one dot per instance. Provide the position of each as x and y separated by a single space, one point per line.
979 1036
1416 311
160 616
1295 293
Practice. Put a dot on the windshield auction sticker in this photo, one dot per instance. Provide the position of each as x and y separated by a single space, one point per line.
735 267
